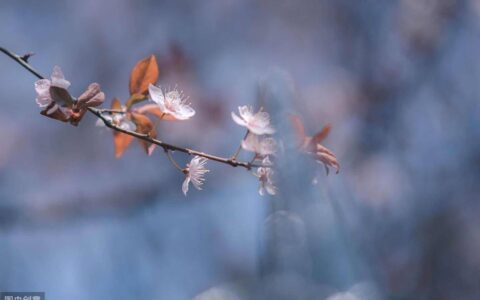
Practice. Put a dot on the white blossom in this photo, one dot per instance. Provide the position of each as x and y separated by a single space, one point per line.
119 120
262 147
172 103
42 87
257 123
265 175
194 173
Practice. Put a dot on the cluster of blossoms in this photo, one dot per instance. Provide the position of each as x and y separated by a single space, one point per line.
130 121
258 125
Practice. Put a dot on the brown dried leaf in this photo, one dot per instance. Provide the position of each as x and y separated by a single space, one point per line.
312 146
92 97
327 157
145 72
97 100
322 134
61 96
54 111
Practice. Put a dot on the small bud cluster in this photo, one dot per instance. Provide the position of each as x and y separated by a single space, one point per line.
57 103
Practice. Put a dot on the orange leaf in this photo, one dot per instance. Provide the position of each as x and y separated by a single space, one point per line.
327 157
116 104
121 141
298 128
145 126
135 98
322 134
145 72
147 146
155 110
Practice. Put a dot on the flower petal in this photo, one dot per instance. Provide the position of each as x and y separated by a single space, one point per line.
197 170
58 79
261 190
270 188
184 112
42 87
246 112
155 110
268 146
185 185
251 143
238 120
96 100
156 94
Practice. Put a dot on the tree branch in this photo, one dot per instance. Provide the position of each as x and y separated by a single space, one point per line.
22 60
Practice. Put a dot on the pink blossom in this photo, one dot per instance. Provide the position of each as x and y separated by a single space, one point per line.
265 175
42 87
172 103
194 173
262 147
258 123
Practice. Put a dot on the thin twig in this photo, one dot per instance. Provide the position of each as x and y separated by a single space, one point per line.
22 62
234 157
112 111
255 156
169 155
167 147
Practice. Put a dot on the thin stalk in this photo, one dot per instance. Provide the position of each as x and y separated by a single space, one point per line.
169 155
239 149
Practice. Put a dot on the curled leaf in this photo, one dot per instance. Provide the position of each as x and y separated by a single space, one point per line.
61 96
54 111
91 97
322 134
311 145
327 157
145 72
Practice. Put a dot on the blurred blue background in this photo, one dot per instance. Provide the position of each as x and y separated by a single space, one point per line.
398 80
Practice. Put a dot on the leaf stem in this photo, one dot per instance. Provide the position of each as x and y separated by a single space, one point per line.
172 160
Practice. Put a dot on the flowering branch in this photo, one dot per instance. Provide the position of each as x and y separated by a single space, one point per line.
167 147
129 122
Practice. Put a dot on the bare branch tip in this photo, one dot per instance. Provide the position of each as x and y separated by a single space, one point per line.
27 56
